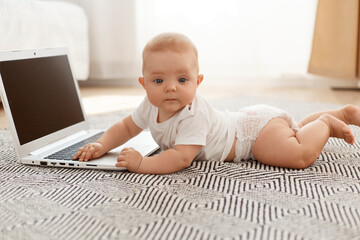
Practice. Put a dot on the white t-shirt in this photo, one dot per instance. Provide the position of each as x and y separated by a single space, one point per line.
196 124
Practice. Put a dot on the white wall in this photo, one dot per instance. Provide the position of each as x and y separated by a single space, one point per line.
236 38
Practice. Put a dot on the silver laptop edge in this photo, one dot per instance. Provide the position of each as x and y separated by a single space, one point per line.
25 149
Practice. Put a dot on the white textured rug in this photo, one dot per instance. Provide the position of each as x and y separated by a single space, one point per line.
208 200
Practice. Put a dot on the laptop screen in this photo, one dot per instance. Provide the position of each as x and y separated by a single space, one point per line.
42 96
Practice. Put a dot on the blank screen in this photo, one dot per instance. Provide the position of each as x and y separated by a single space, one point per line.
42 96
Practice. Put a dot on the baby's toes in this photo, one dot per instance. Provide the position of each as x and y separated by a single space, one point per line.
349 138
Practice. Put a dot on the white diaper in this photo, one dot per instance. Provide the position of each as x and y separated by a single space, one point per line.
249 124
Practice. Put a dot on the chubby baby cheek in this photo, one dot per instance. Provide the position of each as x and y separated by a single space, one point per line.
189 97
155 99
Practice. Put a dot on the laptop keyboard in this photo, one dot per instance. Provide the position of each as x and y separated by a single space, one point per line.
69 152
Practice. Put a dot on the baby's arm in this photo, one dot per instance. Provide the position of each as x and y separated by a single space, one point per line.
171 160
115 136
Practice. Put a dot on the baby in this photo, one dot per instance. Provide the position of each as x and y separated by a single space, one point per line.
186 127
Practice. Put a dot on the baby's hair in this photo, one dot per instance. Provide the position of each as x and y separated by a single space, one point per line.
175 42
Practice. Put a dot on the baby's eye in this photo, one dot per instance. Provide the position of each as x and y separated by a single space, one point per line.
182 80
158 81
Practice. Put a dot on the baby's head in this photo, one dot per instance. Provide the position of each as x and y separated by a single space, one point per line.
174 42
170 72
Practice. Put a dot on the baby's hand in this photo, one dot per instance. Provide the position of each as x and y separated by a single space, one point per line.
89 151
129 158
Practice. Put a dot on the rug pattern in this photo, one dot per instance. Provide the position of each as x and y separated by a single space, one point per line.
208 200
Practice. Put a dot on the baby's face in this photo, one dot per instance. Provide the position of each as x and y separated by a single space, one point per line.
170 80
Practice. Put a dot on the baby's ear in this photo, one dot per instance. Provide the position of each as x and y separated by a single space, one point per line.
200 78
141 81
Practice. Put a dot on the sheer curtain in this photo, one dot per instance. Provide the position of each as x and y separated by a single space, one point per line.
236 38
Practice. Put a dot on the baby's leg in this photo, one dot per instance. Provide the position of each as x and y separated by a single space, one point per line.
349 114
279 145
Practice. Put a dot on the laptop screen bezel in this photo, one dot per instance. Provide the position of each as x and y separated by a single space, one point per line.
25 149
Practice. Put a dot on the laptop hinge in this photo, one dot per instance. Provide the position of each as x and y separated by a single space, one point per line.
58 143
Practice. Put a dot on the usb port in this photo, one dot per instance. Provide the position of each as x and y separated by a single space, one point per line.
43 163
71 164
62 163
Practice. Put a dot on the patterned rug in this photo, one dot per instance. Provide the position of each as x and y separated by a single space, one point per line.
208 200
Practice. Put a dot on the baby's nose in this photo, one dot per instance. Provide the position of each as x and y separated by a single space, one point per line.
170 86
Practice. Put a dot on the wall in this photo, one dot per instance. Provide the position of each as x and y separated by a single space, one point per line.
235 38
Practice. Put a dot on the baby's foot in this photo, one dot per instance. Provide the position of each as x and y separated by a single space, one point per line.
351 114
338 128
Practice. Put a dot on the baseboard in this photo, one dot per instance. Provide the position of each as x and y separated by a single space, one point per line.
285 80
109 82
314 81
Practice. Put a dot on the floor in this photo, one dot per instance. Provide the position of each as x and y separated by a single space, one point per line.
103 99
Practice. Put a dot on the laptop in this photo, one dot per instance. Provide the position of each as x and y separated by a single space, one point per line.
46 118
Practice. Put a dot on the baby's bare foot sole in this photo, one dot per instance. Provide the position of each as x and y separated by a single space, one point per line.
351 114
338 128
